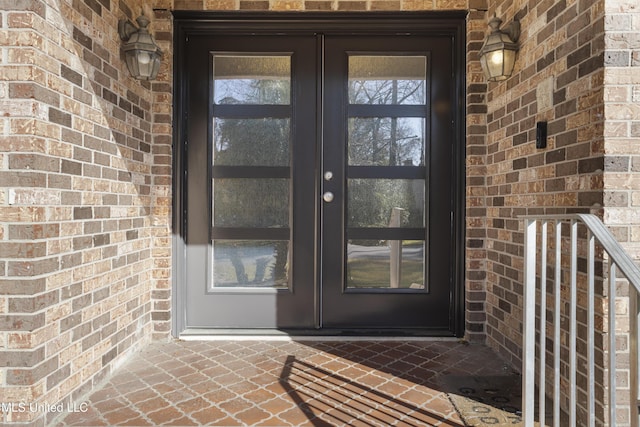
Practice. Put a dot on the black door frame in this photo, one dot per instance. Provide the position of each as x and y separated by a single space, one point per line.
450 24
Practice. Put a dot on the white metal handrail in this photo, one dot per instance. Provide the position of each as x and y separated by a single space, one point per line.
618 260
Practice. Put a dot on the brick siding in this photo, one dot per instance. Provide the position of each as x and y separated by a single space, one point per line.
85 167
557 80
621 99
621 129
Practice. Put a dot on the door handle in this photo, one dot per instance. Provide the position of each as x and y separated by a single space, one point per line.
328 197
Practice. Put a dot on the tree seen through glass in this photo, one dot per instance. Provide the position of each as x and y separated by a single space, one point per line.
266 141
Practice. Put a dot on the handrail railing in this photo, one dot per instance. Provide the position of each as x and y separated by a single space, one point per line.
618 260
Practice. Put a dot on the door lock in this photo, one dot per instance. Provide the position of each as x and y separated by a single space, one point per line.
328 197
328 176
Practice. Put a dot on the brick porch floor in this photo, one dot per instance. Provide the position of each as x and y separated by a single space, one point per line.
279 383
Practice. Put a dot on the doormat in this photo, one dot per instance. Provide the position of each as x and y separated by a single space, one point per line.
486 400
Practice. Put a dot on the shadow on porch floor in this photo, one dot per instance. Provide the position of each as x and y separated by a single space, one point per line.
279 383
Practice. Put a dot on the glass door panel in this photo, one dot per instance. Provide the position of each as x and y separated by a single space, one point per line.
386 141
387 79
377 203
251 182
254 264
251 78
386 145
251 202
251 142
385 264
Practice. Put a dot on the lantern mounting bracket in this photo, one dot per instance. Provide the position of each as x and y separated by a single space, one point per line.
126 29
512 29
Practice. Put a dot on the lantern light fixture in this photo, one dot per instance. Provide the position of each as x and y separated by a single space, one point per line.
498 53
141 52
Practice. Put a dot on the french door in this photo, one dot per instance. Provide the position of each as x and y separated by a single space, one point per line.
320 186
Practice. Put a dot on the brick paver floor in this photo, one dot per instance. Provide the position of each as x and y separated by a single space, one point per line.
280 383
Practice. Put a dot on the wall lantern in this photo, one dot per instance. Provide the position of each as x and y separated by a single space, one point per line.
141 52
498 53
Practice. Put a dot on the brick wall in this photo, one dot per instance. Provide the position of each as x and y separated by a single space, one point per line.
476 178
161 173
622 154
622 126
558 79
84 206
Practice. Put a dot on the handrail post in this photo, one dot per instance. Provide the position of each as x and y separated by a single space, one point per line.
542 410
591 317
529 325
612 344
573 326
634 329
557 304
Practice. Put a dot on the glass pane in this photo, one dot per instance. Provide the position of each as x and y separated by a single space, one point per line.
388 80
385 203
250 263
251 142
251 79
243 202
394 264
386 141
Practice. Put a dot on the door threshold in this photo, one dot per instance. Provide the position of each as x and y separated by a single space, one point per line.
308 335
